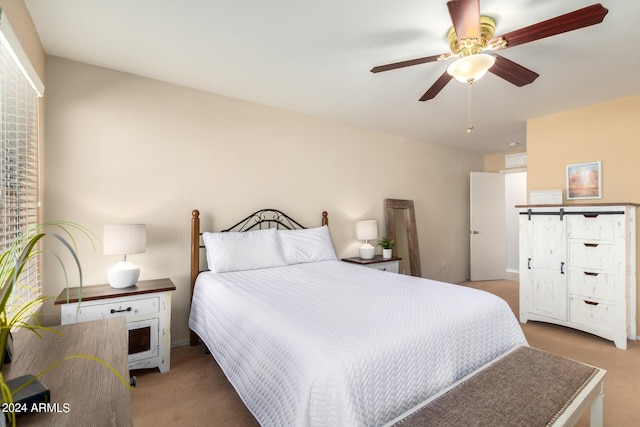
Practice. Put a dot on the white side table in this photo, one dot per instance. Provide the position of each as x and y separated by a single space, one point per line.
146 307
379 263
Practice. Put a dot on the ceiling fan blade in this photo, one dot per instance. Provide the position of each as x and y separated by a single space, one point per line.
512 72
465 16
575 20
437 87
403 64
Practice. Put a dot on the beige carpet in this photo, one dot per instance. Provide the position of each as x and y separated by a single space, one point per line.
196 393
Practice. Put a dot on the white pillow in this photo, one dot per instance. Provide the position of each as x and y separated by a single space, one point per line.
236 251
307 245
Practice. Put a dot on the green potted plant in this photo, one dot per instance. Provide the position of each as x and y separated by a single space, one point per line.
387 247
16 314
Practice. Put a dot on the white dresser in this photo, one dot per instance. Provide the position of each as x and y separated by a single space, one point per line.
578 267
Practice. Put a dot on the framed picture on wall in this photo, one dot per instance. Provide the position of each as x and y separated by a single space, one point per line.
584 181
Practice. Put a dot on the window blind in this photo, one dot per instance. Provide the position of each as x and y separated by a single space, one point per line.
19 179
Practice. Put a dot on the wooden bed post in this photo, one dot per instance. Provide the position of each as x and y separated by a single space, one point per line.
325 218
195 261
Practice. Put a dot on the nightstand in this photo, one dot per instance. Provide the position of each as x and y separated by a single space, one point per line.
146 307
386 264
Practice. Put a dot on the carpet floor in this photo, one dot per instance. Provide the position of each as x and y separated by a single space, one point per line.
195 392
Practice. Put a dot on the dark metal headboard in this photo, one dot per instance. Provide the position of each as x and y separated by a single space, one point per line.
264 218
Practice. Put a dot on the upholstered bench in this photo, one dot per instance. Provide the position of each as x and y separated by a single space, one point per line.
525 387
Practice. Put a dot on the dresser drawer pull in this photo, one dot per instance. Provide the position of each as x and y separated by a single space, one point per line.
588 273
113 310
591 245
591 215
591 303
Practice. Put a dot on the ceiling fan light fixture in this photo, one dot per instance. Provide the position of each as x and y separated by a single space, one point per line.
471 68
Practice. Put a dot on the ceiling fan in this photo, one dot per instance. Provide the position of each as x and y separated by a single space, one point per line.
472 35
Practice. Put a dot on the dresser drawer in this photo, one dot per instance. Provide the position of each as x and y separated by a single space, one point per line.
95 310
594 227
590 284
594 314
591 256
392 266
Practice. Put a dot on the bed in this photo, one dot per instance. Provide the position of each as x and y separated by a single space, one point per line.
308 340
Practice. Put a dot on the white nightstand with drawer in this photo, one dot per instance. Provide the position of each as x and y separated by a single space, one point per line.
379 263
146 307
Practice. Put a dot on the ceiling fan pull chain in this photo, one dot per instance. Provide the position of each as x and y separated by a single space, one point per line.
469 125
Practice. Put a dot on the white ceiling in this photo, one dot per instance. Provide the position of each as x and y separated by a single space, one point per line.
314 57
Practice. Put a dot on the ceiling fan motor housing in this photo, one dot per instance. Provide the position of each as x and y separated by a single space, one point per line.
466 47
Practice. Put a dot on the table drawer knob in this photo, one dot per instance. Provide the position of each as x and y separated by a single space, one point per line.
113 310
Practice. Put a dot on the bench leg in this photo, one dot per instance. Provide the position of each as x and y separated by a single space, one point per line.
597 409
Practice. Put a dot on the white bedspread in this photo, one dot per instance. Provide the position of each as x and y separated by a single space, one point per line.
336 344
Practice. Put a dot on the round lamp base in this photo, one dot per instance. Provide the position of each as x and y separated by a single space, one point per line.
123 275
367 251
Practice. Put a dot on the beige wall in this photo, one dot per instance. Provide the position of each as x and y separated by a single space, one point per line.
605 132
122 148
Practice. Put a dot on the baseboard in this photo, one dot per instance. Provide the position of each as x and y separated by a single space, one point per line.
179 343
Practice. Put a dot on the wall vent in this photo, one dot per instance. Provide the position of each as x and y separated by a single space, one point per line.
515 160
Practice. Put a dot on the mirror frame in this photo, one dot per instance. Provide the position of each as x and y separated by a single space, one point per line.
390 205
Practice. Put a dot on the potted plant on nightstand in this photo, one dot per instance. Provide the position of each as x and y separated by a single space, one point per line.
16 313
387 247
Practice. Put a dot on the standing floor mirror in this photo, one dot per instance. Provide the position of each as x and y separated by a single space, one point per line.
400 226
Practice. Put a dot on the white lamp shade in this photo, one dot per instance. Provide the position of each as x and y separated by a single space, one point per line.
122 239
367 229
471 67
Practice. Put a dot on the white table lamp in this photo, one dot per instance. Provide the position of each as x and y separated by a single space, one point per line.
124 239
367 230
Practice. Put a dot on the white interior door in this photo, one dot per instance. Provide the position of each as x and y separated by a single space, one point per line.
488 230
